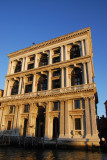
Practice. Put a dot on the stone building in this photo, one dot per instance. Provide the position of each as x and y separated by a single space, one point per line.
50 91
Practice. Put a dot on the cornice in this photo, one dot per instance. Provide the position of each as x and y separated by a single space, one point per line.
85 90
51 42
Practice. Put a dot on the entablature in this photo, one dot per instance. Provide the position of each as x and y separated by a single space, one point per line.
82 59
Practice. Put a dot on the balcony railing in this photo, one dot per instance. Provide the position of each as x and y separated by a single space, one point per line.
51 92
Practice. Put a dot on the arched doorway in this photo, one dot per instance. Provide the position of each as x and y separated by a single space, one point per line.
55 128
25 127
40 122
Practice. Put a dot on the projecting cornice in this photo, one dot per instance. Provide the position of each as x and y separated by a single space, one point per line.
50 42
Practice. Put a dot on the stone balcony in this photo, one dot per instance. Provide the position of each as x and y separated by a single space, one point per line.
58 91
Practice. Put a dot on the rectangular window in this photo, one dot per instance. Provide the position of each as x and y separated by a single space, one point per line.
56 106
57 73
57 51
56 83
30 66
77 104
56 59
77 124
9 125
28 88
26 108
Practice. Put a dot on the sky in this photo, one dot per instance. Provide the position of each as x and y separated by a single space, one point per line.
23 22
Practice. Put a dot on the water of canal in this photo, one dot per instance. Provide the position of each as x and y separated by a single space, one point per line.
12 153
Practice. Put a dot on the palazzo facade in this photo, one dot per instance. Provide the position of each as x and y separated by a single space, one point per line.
50 91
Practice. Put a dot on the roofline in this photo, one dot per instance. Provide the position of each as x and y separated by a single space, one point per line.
50 42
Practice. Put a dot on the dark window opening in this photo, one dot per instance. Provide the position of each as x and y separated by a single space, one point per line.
77 124
42 83
55 128
56 84
74 52
30 78
25 127
28 88
30 66
56 73
15 88
56 59
76 77
40 122
26 108
43 60
32 58
9 125
18 66
77 104
56 106
57 51
11 109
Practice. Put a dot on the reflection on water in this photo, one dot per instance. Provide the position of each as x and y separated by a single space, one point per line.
34 154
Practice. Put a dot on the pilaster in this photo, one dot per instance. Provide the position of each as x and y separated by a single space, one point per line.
61 119
87 117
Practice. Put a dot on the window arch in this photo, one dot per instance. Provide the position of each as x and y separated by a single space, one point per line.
75 51
42 83
15 88
43 60
76 77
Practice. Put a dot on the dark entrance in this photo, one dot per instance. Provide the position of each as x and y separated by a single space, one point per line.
25 127
55 128
40 122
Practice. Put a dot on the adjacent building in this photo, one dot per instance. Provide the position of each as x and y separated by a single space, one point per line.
50 91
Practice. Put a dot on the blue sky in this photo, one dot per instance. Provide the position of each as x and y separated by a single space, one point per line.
23 22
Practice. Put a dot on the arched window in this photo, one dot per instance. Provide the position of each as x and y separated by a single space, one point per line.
18 66
76 77
15 88
42 83
43 60
74 52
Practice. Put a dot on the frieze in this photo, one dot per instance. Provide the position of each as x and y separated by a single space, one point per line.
52 41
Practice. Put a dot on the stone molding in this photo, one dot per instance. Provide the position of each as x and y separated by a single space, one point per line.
51 42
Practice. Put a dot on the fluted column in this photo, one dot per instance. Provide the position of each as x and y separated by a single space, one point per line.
34 83
6 87
87 117
50 56
66 53
83 50
23 64
85 73
62 53
23 85
26 63
93 116
61 119
20 85
67 77
89 72
87 46
49 80
9 68
62 77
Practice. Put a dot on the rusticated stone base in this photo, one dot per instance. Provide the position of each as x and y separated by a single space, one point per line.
56 143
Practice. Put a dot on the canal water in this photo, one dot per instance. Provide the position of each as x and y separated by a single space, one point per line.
12 153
